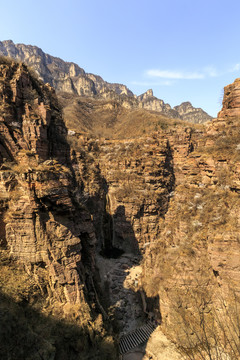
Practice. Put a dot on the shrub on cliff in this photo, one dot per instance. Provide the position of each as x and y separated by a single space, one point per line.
5 60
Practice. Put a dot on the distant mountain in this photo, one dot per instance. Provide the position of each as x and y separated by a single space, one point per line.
70 78
189 113
62 75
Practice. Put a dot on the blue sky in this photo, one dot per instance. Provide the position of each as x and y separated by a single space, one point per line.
185 50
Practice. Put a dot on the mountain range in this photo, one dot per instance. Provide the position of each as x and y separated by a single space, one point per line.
68 77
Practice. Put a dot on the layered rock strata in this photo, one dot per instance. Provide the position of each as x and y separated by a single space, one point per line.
194 266
42 220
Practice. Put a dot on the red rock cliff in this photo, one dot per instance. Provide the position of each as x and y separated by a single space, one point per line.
37 185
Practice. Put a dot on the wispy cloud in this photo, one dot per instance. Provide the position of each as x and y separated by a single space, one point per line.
204 73
234 68
159 83
172 74
210 71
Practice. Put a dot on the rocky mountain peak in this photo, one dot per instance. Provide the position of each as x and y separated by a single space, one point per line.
192 114
184 105
145 96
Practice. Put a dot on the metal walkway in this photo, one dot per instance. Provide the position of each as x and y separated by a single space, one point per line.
136 337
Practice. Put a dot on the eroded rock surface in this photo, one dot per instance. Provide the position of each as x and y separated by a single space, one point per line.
37 190
195 264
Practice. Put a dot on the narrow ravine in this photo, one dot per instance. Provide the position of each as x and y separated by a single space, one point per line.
124 306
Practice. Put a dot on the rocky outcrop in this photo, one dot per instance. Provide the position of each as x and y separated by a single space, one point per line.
69 77
189 113
231 102
149 102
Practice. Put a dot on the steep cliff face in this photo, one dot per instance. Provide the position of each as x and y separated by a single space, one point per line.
30 131
194 266
43 222
231 105
128 185
69 77
140 177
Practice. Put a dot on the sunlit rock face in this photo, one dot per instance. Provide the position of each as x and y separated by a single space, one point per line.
63 76
195 263
231 102
37 183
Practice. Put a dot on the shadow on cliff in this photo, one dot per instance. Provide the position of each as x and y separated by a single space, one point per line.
27 334
119 236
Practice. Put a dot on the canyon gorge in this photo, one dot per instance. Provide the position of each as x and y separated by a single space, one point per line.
116 211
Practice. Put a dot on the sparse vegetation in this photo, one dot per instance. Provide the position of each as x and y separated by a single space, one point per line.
108 119
5 60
